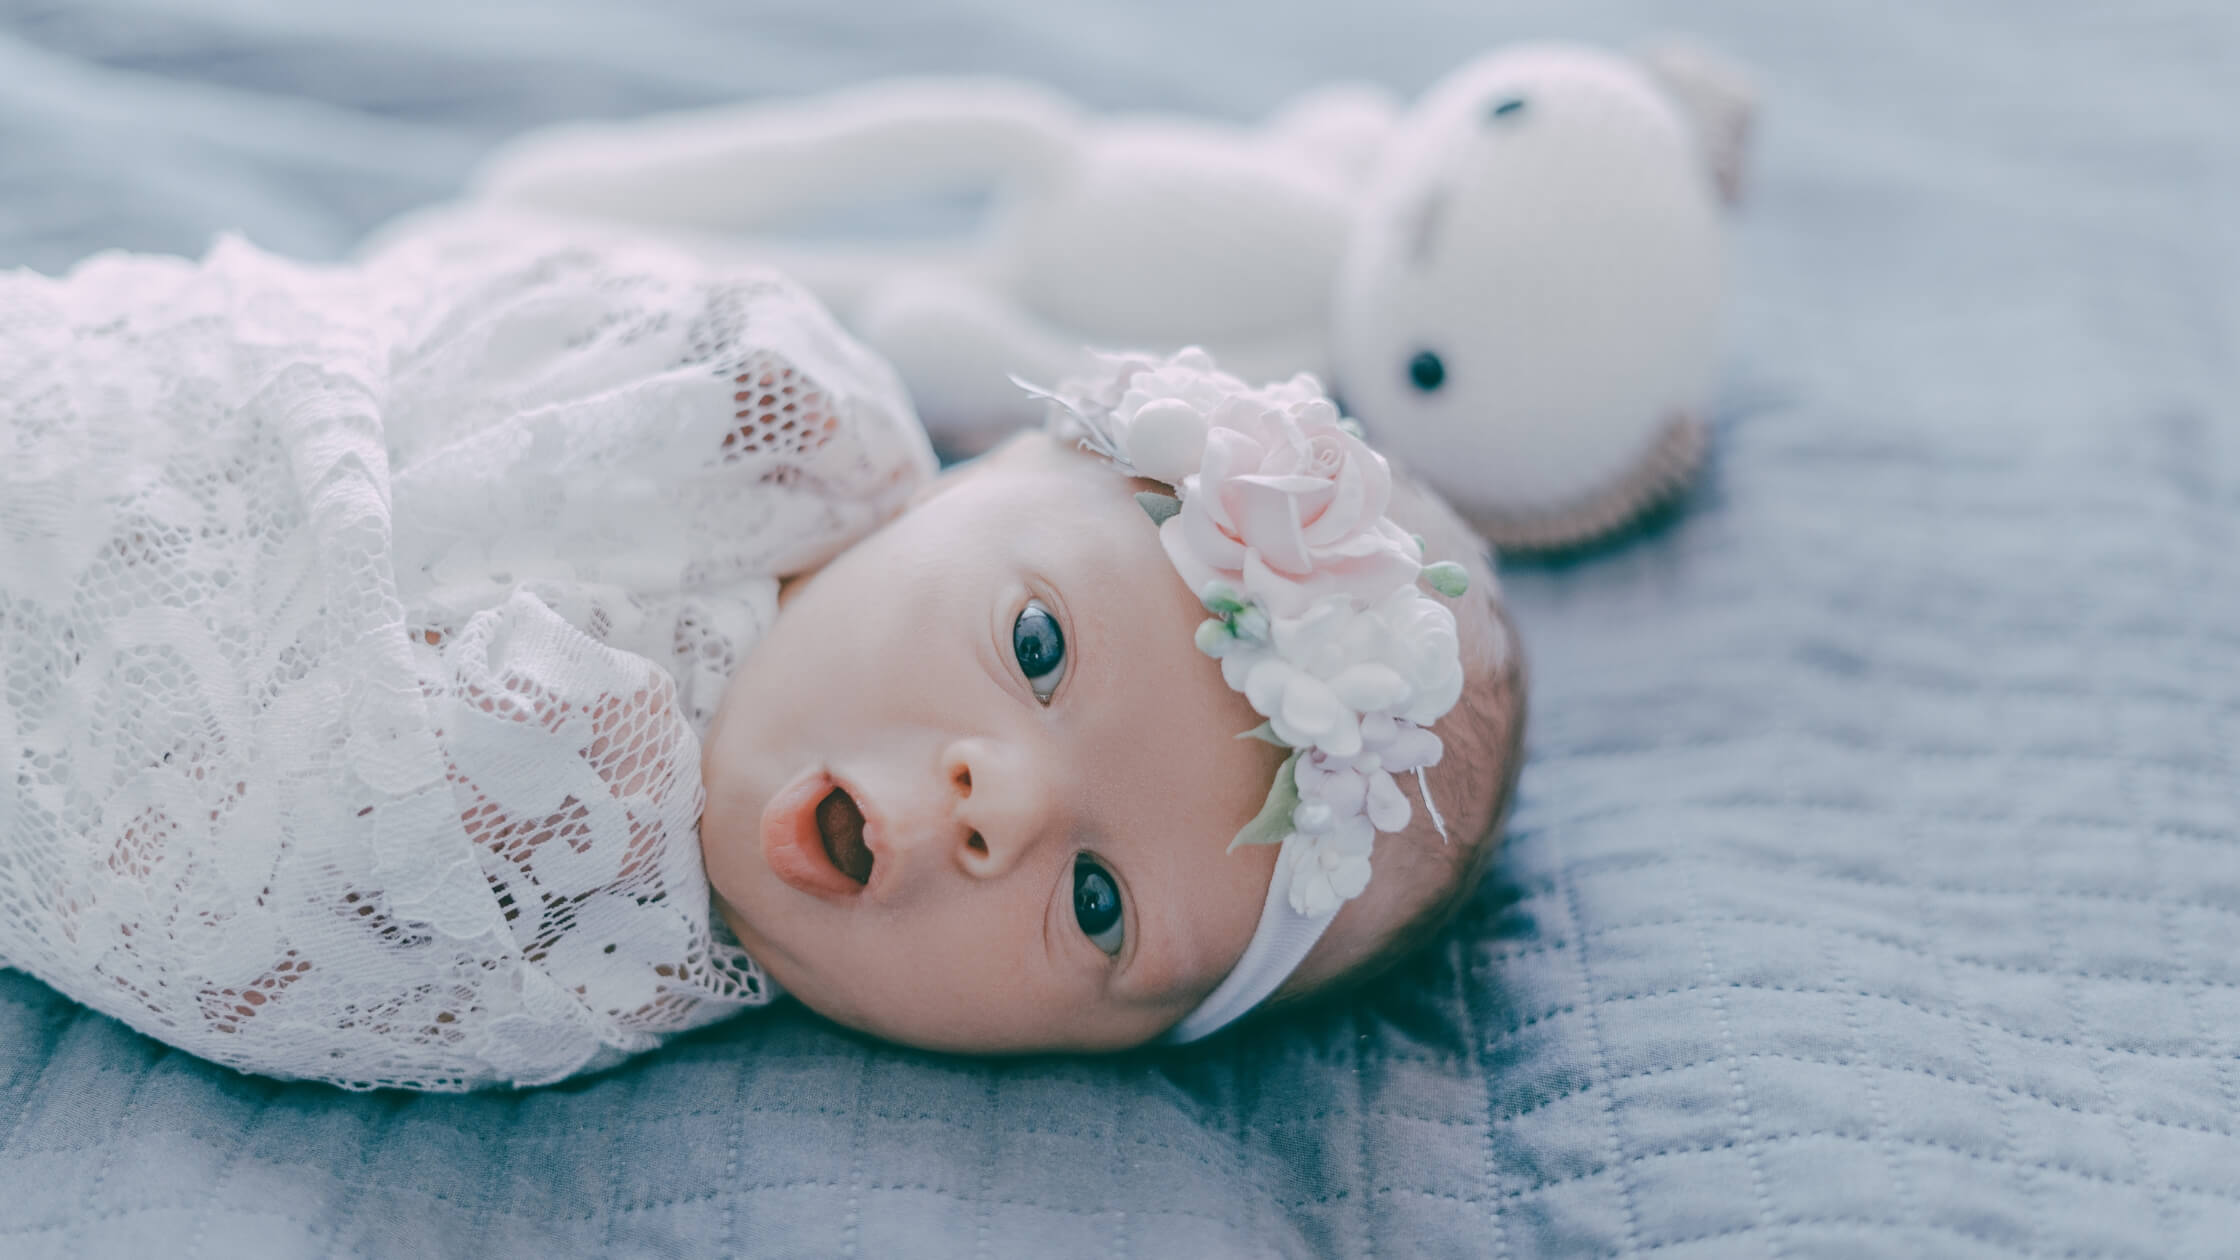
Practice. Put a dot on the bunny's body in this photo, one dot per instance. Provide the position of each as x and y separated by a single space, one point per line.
1515 284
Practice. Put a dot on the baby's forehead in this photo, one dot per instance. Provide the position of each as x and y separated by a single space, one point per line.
1067 510
1035 462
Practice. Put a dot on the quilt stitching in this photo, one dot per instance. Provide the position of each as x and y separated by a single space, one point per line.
2033 1187
209 1206
1366 1237
1876 1110
1601 1073
731 1166
1863 1138
89 1207
1470 988
1750 1143
2156 1192
354 1195
983 1216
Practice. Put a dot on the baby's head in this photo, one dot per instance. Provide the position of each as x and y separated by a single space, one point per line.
974 788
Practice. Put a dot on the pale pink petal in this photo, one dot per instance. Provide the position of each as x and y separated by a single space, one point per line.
1288 450
1268 522
1344 516
1376 478
1228 454
1297 485
1380 535
1282 596
1240 412
1193 529
1367 578
1309 497
1198 550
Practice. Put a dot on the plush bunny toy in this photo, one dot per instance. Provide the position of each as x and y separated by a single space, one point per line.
1515 285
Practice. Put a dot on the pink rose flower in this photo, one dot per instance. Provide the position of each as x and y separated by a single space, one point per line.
1288 507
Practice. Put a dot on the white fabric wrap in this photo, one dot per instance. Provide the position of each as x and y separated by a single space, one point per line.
359 625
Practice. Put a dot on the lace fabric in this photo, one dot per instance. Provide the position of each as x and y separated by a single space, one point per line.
359 626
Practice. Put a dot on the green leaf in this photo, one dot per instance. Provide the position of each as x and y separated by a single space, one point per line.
1272 825
1447 578
1265 733
1158 506
1221 599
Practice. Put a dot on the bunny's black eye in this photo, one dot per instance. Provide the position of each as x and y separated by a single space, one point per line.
1426 371
1508 109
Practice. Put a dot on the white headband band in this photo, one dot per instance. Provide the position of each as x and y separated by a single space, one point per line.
1277 523
1281 942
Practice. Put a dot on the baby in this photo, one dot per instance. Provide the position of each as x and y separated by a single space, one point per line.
477 664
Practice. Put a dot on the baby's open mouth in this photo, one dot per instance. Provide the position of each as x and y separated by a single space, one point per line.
840 826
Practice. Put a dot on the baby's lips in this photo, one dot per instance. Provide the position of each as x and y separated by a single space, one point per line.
793 847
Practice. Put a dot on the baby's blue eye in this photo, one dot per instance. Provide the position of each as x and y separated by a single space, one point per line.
1096 904
1040 647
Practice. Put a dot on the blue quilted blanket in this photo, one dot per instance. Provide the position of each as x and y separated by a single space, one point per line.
1875 885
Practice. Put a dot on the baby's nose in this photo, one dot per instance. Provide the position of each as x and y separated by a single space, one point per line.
1003 805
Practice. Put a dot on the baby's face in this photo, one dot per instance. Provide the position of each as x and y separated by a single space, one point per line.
971 791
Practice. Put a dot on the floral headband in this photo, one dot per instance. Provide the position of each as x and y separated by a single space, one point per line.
1278 525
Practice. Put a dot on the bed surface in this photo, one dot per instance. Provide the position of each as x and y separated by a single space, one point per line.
1874 887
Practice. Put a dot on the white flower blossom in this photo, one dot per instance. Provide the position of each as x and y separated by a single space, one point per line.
1317 613
1335 869
1322 675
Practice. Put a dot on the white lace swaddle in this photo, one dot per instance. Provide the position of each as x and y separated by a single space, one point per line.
359 625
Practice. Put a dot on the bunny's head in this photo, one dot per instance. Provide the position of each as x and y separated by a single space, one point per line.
1529 312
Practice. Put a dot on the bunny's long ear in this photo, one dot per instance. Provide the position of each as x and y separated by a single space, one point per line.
760 166
1716 96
